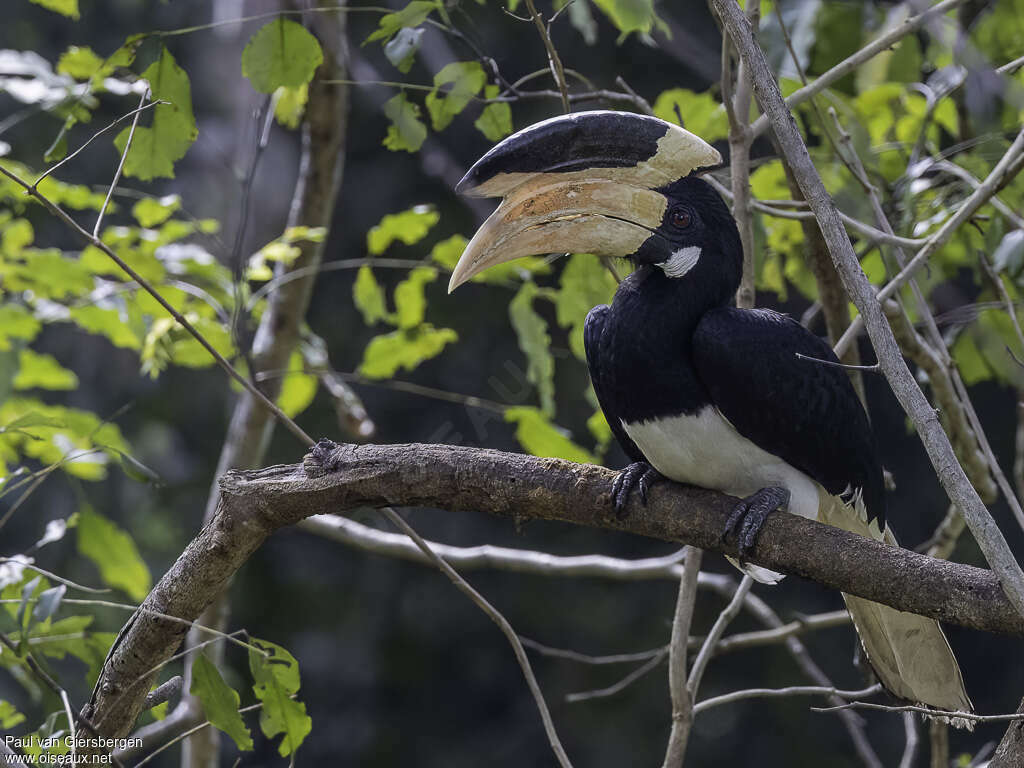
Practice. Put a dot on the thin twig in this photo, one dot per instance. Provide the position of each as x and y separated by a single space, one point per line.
120 165
718 628
463 586
771 693
950 713
681 695
95 136
621 685
553 58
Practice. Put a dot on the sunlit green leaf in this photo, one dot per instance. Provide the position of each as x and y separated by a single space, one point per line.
585 283
466 79
80 62
43 371
540 437
631 15
495 121
281 54
64 7
298 388
105 322
409 227
404 348
16 322
9 716
410 301
290 104
598 426
114 553
153 211
156 149
702 113
275 681
368 296
406 131
220 701
532 332
414 14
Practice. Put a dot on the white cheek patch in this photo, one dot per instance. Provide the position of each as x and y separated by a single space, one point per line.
682 261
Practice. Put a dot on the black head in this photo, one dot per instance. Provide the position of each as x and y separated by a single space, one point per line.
697 239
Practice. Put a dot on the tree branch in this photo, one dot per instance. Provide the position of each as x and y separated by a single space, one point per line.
254 504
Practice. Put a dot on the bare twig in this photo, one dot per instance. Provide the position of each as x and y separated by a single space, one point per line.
723 620
924 711
463 586
682 698
120 165
772 693
553 58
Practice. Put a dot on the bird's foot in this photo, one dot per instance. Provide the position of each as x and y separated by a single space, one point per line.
749 515
638 474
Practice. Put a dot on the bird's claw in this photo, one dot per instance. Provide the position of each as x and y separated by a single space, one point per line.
640 475
749 515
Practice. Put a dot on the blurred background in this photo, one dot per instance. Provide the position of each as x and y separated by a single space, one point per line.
397 667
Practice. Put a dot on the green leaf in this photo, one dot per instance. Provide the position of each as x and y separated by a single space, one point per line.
597 424
105 322
466 79
65 7
580 18
281 54
80 62
406 131
409 226
220 701
153 211
156 149
16 236
410 301
368 296
532 333
9 716
275 681
43 371
414 14
298 388
114 554
16 322
631 16
48 602
401 49
702 113
405 348
495 121
447 253
289 105
584 284
540 437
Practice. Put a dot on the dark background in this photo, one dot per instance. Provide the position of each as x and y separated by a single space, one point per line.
397 667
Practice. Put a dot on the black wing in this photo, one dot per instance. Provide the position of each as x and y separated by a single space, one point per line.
803 411
593 328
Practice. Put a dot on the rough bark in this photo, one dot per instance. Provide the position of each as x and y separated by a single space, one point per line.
1010 752
253 504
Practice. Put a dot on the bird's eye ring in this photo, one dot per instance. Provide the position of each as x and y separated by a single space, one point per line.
680 218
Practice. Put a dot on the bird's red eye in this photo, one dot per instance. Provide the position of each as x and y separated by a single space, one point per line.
680 218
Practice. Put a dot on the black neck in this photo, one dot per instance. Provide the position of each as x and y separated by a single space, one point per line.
653 320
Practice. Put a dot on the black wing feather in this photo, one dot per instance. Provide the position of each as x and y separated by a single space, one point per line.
593 329
805 412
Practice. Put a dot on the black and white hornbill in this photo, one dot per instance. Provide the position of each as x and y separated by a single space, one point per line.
695 389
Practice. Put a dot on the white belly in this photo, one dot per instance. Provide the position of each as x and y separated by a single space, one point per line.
706 450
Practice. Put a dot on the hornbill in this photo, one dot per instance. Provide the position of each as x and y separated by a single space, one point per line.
696 390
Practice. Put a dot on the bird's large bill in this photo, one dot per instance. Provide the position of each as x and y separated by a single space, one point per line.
600 216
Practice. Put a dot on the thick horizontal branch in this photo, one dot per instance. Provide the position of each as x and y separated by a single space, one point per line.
256 503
